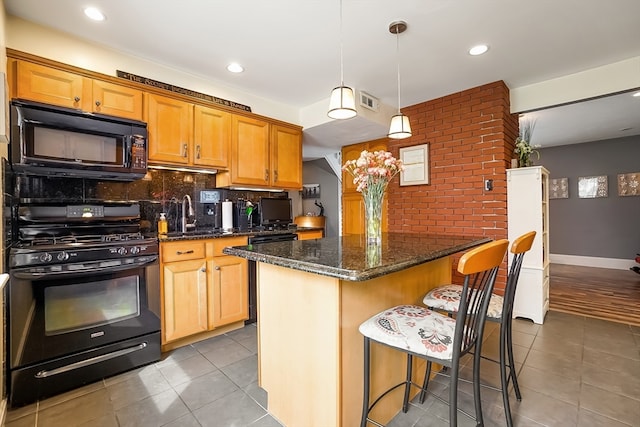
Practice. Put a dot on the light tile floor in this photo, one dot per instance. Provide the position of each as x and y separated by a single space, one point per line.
573 371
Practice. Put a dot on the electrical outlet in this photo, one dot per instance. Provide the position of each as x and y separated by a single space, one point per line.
488 184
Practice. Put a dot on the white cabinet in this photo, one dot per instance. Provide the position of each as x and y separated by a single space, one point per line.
528 210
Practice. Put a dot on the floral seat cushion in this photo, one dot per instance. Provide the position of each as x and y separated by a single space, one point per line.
413 328
447 298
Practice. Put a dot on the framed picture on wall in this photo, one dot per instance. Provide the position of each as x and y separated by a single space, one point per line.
593 186
311 191
416 165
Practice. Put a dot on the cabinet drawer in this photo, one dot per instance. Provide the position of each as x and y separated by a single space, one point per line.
215 246
183 250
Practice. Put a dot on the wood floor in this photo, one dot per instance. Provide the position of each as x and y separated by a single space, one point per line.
595 292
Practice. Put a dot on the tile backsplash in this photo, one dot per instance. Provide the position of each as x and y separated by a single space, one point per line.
159 191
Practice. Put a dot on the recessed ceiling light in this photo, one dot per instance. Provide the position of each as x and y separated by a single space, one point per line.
234 67
94 13
478 50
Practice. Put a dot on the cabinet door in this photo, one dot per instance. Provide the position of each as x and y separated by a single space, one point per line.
211 136
170 127
51 86
249 151
184 288
351 152
352 214
286 157
228 300
116 100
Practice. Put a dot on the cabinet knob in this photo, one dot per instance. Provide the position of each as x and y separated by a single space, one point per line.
275 176
97 103
204 270
198 151
77 99
217 267
266 175
184 150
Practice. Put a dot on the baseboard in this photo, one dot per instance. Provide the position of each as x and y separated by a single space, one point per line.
586 261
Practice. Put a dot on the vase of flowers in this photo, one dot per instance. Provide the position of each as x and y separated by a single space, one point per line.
524 149
371 173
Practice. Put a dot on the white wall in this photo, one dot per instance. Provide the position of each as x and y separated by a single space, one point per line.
41 41
612 78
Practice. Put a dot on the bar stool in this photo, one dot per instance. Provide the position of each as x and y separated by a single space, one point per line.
418 331
447 299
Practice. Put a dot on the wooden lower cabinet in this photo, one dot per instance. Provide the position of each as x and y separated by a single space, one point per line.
202 289
229 290
310 234
184 299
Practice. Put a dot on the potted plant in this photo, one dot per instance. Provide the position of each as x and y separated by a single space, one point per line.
524 149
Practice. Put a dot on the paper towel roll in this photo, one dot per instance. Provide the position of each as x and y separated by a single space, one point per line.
227 215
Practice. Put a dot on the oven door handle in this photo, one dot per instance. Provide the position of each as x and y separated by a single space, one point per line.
88 268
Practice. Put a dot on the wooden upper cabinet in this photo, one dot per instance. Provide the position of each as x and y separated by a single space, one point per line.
263 155
116 100
170 127
52 86
211 137
286 157
249 152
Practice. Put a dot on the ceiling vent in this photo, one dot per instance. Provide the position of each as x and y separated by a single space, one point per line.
368 101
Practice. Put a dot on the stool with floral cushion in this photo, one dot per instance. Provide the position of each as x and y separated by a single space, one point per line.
418 331
447 299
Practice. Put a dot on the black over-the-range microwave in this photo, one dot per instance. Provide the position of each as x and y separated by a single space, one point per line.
54 141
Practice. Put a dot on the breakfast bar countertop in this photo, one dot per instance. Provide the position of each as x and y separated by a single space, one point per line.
349 258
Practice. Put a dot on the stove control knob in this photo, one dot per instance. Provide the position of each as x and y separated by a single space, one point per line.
45 257
135 250
62 256
122 251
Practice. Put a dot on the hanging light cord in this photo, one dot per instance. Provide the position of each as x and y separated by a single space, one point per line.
341 64
398 62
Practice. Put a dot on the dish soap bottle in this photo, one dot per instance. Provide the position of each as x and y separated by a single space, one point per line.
163 225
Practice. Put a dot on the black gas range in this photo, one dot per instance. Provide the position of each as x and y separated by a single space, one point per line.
83 297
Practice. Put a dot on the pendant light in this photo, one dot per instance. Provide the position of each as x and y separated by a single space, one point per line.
400 127
342 104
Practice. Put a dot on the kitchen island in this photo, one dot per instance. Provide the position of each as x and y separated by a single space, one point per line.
313 295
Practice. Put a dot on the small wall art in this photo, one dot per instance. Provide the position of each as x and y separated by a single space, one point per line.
590 187
629 184
559 188
311 191
416 165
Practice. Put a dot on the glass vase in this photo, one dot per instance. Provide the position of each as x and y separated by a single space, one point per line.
373 216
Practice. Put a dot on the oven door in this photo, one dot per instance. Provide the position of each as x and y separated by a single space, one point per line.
52 315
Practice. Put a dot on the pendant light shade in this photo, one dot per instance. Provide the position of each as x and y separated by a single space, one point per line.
342 104
400 127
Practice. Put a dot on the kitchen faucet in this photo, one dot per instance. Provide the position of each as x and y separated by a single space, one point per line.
186 200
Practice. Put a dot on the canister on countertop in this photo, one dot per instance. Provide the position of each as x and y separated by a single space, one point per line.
163 225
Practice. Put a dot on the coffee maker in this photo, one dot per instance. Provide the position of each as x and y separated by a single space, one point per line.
211 205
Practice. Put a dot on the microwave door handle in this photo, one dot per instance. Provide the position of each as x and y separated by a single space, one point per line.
127 150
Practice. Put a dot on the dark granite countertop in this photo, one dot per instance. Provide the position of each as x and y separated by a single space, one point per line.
348 257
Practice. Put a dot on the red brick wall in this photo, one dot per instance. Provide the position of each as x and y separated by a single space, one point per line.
471 138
